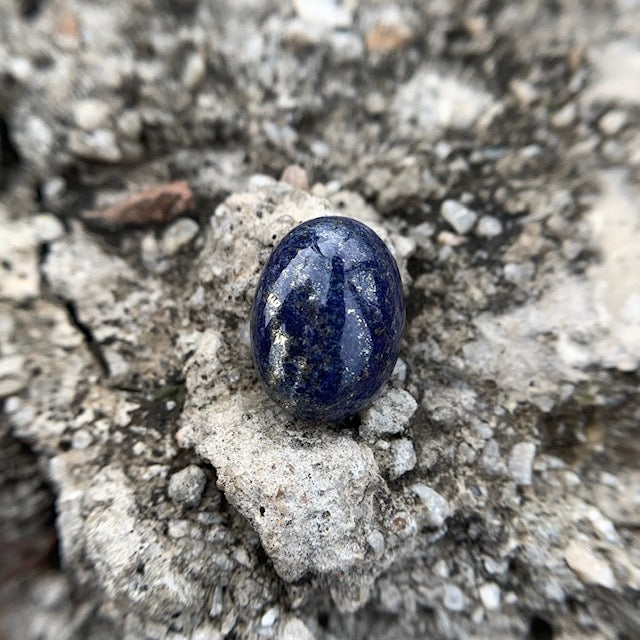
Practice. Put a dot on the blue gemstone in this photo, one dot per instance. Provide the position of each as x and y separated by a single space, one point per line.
327 319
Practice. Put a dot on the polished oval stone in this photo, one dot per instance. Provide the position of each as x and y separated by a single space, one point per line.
327 319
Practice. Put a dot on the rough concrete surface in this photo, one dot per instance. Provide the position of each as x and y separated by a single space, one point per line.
152 154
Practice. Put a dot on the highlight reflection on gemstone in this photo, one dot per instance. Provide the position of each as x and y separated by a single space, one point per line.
327 319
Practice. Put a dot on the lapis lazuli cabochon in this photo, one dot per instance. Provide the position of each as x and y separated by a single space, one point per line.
327 319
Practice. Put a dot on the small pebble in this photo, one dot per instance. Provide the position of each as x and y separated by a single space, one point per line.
490 460
130 124
47 227
490 596
295 629
194 71
375 103
177 529
389 415
519 274
346 46
90 114
453 598
403 457
270 617
138 449
441 569
320 149
565 116
53 190
296 177
437 506
450 239
99 145
587 566
206 632
216 606
179 234
326 14
458 216
521 462
488 227
186 486
524 91
477 616
376 541
20 68
612 122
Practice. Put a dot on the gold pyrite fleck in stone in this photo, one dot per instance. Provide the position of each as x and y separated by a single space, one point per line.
327 319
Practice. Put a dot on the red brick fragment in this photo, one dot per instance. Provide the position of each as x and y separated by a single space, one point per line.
157 204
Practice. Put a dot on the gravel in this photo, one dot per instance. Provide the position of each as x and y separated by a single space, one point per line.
490 596
458 216
389 416
403 458
520 462
186 486
590 568
436 505
489 227
178 235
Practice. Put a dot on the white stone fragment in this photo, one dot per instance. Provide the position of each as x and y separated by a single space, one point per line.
490 596
207 632
40 134
565 116
13 375
295 629
524 91
376 541
520 463
616 71
130 124
53 189
186 486
403 457
326 14
491 460
389 415
99 145
47 227
604 527
216 606
590 568
19 275
270 617
453 598
519 273
612 121
458 216
346 46
436 505
179 234
11 366
431 102
20 68
91 113
488 227
194 70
